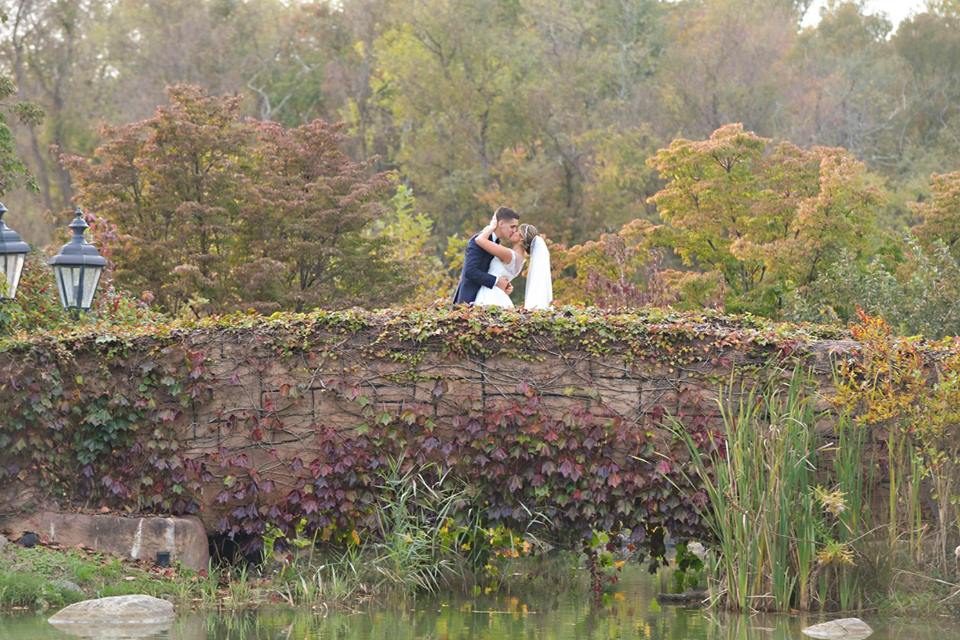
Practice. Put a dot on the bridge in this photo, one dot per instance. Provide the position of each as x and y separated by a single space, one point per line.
547 419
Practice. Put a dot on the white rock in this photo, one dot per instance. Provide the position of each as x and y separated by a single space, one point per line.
115 611
843 629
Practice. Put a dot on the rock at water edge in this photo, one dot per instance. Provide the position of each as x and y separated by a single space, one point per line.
843 629
67 585
116 610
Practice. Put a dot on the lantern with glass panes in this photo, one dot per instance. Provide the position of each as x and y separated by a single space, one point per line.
13 251
77 268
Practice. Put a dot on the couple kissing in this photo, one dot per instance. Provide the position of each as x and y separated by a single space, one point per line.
496 255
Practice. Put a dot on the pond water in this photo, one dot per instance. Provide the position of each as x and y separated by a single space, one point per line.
631 612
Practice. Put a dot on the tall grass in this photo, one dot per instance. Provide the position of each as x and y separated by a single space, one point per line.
409 550
855 486
765 508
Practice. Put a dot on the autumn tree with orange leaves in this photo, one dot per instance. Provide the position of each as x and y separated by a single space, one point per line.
767 217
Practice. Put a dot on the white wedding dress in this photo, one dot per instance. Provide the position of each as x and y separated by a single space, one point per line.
496 296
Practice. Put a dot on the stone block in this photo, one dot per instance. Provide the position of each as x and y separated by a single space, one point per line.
184 538
389 392
619 395
658 392
842 629
611 367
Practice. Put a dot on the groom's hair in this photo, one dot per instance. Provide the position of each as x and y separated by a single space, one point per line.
506 213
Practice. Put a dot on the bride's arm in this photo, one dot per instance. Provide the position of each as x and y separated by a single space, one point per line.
491 247
471 265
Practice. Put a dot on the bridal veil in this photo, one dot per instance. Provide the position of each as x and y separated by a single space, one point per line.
539 291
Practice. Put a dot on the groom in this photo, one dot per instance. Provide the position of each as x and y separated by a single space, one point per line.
476 261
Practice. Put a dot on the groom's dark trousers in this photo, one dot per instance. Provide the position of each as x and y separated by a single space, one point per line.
476 263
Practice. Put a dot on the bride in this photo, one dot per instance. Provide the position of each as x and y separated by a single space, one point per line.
508 261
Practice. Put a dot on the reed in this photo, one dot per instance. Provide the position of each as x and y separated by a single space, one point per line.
409 550
760 477
853 483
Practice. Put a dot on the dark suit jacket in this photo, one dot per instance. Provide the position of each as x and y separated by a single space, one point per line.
476 263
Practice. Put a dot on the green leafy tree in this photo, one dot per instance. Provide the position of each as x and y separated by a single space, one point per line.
51 56
577 169
13 170
449 75
408 234
916 295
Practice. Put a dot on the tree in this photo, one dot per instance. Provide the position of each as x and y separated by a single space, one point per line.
408 236
726 61
915 292
618 270
940 214
619 181
767 217
848 85
314 204
13 171
922 103
173 185
584 107
50 55
213 212
449 75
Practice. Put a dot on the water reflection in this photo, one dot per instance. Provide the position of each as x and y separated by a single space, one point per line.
118 632
630 614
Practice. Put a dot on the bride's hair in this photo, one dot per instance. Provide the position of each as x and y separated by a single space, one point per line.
527 233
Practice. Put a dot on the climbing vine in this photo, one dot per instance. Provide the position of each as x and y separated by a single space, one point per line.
285 421
905 392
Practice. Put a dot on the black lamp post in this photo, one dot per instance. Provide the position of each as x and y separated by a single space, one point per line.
13 250
77 268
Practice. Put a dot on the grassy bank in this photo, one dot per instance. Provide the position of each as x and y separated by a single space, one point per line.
44 577
49 577
428 537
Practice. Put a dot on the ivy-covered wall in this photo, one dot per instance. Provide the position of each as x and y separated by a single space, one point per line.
556 416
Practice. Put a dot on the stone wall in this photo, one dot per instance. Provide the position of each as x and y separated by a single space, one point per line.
677 366
251 396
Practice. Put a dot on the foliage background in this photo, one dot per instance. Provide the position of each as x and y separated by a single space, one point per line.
593 119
